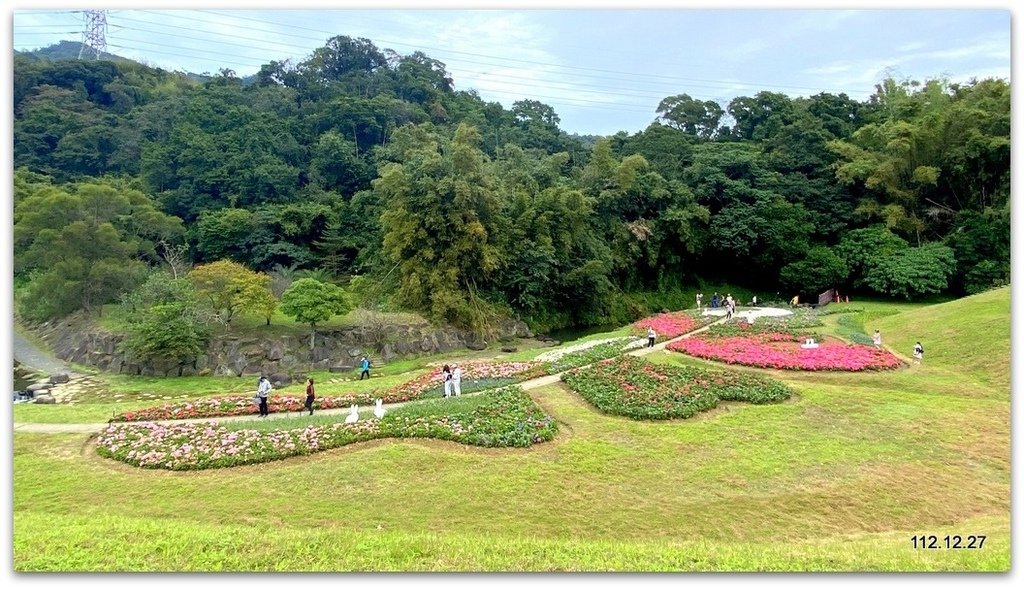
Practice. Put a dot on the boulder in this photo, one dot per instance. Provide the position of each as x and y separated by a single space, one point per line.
38 387
275 351
280 379
45 399
476 345
59 378
509 349
353 352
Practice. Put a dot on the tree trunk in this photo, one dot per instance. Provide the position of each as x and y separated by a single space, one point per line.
312 339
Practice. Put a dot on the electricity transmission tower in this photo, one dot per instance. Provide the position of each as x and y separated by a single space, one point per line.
94 37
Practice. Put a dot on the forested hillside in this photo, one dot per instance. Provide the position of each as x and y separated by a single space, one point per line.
366 168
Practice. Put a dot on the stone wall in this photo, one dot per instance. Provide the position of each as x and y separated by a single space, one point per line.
77 339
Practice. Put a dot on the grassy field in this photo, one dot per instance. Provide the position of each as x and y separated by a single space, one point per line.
839 478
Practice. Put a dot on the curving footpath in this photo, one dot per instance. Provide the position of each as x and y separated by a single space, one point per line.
89 428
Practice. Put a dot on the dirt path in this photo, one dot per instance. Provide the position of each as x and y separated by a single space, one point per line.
364 412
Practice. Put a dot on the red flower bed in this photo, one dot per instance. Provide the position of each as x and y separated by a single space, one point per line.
670 325
783 351
237 405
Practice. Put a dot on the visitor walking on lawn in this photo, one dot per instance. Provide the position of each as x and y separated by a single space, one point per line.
877 339
365 363
456 380
310 396
446 376
918 353
263 392
651 336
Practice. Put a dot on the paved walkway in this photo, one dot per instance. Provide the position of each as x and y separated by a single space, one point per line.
365 411
25 352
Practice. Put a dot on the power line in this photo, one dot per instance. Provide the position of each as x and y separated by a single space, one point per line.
545 84
726 83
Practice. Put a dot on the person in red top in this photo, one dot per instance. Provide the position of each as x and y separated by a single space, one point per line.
310 395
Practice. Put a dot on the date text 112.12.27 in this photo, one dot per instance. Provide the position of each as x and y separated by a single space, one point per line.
948 542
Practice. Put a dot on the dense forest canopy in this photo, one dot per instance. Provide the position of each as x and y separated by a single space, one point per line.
367 168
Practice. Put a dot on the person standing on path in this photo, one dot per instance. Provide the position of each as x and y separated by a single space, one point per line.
918 353
877 339
714 301
446 376
457 380
700 299
310 396
651 336
365 364
263 392
753 303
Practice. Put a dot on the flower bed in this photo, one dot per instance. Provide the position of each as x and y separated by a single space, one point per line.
635 388
239 405
782 351
508 418
473 374
587 356
670 325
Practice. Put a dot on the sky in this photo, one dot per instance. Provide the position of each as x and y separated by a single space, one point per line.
603 70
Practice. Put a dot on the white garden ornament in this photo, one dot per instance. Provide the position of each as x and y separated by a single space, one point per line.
353 415
379 409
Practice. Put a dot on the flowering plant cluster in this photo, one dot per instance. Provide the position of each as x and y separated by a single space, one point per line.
239 405
584 357
670 325
507 418
475 376
639 389
783 351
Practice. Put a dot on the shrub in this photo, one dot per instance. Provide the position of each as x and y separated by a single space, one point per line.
635 388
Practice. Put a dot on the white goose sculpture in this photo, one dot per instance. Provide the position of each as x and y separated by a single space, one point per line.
379 409
353 415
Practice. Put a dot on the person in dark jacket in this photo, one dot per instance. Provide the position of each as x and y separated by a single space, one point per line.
310 396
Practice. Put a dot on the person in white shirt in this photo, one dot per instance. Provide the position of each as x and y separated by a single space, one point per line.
651 336
446 376
877 339
456 380
263 392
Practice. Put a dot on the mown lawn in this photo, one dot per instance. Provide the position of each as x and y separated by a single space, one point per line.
838 478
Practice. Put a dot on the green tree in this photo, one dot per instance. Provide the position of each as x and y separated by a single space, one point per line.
311 301
692 116
232 288
83 244
165 325
440 212
820 270
913 272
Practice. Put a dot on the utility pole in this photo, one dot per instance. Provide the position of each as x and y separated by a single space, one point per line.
95 34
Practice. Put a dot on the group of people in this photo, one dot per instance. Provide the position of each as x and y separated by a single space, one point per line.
263 389
452 378
717 302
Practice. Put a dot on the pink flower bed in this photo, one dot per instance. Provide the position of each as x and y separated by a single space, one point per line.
668 325
783 351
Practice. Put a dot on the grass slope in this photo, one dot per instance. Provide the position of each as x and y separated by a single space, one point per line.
839 478
969 335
